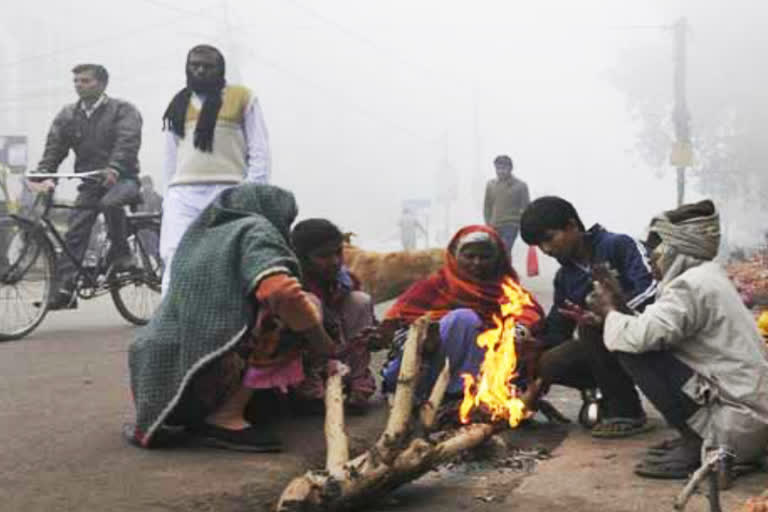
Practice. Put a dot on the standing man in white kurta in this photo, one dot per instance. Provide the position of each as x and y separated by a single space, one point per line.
215 139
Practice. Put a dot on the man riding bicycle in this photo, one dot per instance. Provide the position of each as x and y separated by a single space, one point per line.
105 134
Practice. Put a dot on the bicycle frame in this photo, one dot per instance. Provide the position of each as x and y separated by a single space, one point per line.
46 226
52 231
134 288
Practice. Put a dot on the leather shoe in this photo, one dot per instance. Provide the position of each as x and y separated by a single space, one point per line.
63 299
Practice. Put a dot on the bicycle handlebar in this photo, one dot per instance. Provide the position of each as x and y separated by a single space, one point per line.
46 198
64 175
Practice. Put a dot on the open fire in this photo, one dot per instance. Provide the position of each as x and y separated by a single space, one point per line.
493 390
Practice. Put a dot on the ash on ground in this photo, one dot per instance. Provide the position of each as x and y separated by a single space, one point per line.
501 453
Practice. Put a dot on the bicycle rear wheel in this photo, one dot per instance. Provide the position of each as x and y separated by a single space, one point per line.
137 295
26 275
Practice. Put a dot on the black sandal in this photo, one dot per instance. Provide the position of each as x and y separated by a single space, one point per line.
250 439
619 427
674 464
664 446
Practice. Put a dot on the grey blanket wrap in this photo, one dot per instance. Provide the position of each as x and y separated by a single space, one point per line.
238 240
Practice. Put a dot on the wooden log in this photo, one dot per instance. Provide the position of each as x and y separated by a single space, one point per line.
429 408
337 443
320 491
396 458
301 492
407 380
465 438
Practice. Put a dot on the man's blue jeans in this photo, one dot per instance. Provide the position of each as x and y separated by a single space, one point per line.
508 234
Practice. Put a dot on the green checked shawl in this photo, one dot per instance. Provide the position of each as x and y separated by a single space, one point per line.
239 239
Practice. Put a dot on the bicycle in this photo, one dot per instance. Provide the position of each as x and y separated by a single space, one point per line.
28 265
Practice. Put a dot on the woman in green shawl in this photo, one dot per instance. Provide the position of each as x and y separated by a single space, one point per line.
234 308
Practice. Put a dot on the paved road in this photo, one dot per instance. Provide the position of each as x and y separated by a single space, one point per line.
64 394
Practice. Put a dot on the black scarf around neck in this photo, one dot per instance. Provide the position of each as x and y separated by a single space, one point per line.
176 114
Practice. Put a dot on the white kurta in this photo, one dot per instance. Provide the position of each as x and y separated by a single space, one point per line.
183 203
701 319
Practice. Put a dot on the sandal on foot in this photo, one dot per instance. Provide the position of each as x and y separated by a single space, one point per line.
248 439
665 471
677 464
614 428
664 446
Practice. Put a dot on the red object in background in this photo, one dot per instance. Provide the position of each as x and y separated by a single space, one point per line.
532 261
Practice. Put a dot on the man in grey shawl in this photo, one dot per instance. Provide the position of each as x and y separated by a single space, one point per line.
234 276
696 352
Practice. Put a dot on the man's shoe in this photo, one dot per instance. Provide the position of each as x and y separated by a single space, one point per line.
122 265
63 299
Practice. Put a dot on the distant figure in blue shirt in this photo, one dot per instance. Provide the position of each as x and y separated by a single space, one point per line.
573 351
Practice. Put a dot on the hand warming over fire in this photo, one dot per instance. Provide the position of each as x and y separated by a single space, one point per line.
607 294
580 315
379 337
603 300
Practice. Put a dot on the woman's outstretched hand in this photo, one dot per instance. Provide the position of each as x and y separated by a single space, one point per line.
580 315
379 337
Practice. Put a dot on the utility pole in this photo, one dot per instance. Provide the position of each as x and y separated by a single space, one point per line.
681 155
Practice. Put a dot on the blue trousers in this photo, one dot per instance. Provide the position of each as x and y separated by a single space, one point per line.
508 234
458 332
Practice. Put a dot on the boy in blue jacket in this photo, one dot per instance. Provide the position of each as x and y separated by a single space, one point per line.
574 354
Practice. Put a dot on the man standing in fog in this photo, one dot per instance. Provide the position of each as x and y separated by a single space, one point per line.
506 196
216 139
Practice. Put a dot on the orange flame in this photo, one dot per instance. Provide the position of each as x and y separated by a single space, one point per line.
493 388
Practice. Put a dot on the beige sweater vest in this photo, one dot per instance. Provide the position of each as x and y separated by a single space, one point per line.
227 162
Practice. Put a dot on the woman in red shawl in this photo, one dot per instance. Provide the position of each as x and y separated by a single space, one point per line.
462 296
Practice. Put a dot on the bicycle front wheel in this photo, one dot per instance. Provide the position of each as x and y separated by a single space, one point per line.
26 276
137 295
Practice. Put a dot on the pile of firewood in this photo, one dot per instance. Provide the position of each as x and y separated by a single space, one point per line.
407 449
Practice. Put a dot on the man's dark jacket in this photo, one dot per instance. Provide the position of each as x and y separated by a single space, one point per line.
573 282
110 137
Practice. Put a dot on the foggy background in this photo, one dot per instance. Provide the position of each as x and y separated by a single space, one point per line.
370 103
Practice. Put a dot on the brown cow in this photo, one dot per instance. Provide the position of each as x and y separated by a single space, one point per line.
386 275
